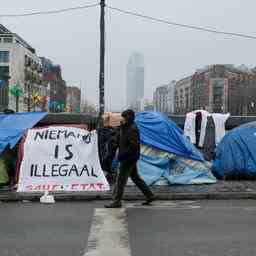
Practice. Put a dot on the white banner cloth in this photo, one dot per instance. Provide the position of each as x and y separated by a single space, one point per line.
60 158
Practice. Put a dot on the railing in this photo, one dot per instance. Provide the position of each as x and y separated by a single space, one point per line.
91 119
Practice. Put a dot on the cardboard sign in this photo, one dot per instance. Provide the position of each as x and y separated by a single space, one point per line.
59 158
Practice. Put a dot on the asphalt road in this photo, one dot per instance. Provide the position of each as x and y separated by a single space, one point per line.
206 228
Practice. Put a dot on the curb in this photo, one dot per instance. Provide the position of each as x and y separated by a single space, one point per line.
92 196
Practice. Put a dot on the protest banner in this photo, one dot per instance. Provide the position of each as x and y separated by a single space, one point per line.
60 158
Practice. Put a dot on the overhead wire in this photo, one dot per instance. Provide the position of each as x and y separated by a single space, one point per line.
204 29
140 15
48 12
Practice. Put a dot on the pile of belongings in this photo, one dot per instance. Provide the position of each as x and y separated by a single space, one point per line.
236 154
111 119
167 155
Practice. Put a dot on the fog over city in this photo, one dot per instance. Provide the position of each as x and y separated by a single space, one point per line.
71 39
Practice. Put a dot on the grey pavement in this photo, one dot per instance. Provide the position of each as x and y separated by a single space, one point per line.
190 228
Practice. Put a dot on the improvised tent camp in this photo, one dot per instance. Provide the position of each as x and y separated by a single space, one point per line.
166 152
236 153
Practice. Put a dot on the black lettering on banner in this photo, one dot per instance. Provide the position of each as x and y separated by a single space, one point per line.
53 135
73 169
60 132
92 173
56 152
46 134
36 174
32 170
39 134
87 138
71 134
44 171
70 154
63 170
55 170
86 170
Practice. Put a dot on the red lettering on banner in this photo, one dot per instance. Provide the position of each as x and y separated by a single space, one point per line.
92 186
29 187
38 187
84 186
54 186
100 185
74 185
46 187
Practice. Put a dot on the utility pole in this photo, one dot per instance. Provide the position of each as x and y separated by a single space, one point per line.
102 63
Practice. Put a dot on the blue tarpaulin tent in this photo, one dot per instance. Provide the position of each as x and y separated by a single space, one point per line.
157 131
175 169
236 153
152 169
14 126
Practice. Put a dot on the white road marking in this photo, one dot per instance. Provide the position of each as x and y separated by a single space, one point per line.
171 205
250 208
109 234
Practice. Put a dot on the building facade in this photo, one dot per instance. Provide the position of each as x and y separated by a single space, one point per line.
19 64
52 78
182 96
149 106
134 80
160 99
225 88
73 99
163 98
171 97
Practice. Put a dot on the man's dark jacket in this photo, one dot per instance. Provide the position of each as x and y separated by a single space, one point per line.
129 143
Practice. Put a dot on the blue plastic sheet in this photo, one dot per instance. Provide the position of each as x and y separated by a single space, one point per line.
236 153
14 126
177 170
157 131
151 169
188 172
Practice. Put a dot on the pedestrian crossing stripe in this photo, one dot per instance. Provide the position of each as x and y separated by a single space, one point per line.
108 234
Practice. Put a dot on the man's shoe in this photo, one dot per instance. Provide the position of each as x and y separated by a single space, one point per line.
149 200
113 205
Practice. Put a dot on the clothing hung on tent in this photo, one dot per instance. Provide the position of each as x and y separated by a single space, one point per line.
195 127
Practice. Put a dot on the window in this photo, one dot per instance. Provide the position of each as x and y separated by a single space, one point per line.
8 40
4 56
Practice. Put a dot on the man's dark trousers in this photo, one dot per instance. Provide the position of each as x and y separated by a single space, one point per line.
129 170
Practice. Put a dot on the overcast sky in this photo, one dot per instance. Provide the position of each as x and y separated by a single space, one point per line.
171 53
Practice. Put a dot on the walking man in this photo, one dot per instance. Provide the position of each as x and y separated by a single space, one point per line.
128 142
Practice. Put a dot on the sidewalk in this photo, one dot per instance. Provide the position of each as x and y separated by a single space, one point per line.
220 190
